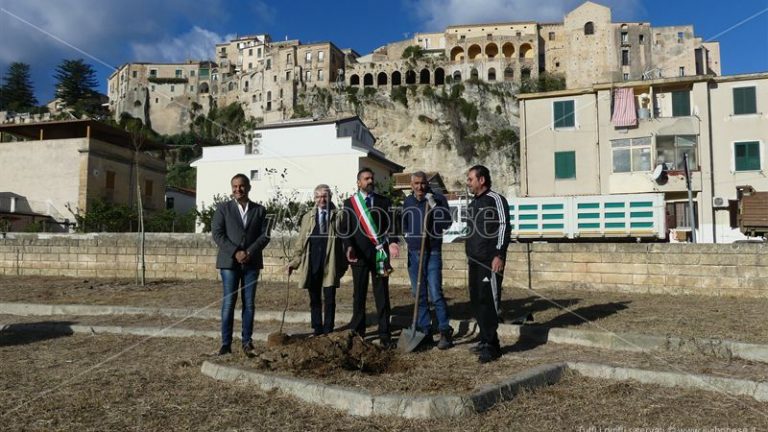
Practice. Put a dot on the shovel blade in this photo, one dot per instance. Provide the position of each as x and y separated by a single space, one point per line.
410 339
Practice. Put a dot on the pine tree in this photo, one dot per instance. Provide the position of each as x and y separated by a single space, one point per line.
76 86
16 92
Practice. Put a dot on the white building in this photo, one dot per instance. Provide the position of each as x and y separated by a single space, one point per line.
285 161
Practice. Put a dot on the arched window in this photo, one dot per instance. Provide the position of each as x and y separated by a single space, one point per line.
457 54
410 77
354 80
424 76
381 79
508 50
439 76
474 52
526 51
473 75
491 74
457 76
491 50
396 78
367 80
509 74
589 28
203 88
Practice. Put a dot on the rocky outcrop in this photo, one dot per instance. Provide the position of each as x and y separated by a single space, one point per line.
446 129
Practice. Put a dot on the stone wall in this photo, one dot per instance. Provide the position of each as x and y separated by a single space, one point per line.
707 269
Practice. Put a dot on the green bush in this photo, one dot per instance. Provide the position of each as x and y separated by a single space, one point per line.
399 94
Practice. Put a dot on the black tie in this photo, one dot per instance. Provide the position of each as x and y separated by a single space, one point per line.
368 202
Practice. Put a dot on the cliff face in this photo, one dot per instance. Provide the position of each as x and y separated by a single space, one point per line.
445 129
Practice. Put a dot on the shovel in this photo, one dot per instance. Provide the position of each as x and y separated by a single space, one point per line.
411 338
280 338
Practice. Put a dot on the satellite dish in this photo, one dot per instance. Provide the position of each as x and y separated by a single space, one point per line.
659 174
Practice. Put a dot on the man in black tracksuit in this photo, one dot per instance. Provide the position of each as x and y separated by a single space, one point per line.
486 248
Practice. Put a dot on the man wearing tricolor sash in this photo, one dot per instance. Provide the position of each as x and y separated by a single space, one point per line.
368 219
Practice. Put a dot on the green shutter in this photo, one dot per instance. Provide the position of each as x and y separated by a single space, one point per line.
564 114
747 156
565 165
744 101
681 103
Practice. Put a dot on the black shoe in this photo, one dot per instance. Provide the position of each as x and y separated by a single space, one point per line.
489 354
446 339
248 350
477 349
225 349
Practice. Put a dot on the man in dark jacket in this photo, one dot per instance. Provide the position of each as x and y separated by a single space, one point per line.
486 248
368 218
422 202
240 230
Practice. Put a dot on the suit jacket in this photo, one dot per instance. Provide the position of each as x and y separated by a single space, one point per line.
231 236
335 261
353 235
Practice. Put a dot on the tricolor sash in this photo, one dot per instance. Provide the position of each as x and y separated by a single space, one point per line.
369 228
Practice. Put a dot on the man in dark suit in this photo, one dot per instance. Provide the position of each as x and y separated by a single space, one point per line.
368 247
240 230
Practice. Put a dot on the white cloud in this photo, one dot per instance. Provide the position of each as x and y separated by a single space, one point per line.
196 44
437 14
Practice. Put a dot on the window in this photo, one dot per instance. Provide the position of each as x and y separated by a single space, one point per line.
308 57
671 148
281 93
172 87
110 180
192 88
565 165
152 87
563 114
680 36
744 101
287 75
153 73
746 156
250 51
258 52
678 215
626 77
157 100
250 65
462 37
589 28
289 58
148 188
269 64
631 154
320 56
319 74
192 73
551 36
681 103
269 106
178 73
625 57
624 37
255 175
681 71
518 34
308 76
133 74
641 39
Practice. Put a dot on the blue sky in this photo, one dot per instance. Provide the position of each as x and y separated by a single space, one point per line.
108 33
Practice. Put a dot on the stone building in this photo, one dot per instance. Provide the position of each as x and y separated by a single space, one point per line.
266 76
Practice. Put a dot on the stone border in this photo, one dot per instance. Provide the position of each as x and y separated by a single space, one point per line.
66 328
361 403
729 386
588 338
365 404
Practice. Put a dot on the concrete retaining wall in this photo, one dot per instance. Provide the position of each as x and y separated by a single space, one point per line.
706 269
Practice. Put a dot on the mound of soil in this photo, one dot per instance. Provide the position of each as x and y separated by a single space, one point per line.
322 354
